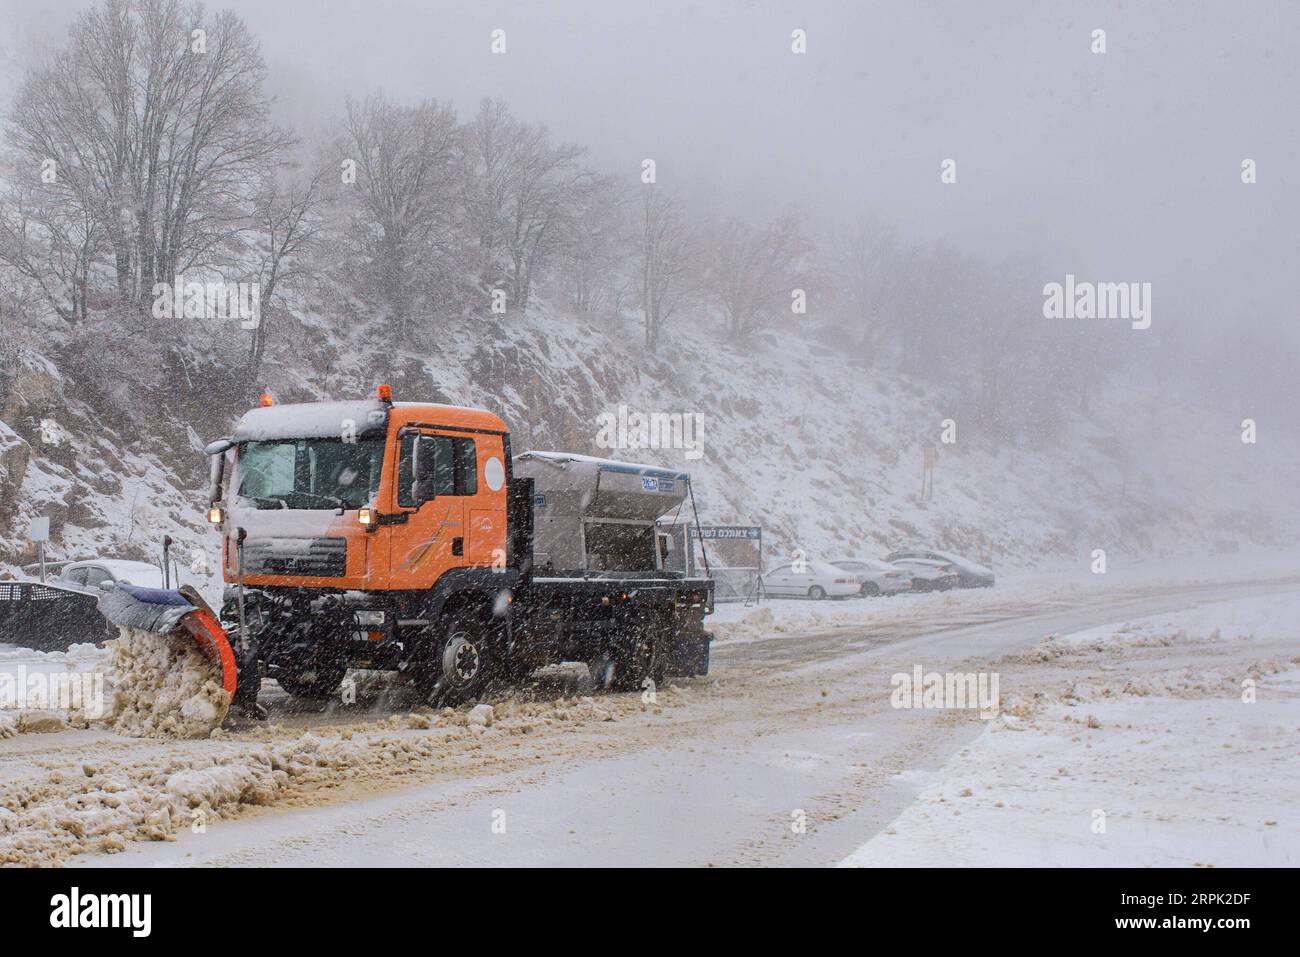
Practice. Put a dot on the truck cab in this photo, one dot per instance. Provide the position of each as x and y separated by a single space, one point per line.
371 496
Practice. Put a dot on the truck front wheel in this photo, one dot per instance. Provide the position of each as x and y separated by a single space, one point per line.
459 663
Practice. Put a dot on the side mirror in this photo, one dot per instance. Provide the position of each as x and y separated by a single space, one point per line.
216 452
423 450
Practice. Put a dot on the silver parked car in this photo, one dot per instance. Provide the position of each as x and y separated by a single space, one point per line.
810 580
101 573
970 574
876 577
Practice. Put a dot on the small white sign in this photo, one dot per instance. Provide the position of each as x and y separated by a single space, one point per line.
40 529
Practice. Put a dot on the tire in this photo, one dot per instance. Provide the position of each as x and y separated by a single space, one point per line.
459 661
817 593
870 590
313 684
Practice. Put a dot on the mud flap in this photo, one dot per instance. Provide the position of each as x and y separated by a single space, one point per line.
690 655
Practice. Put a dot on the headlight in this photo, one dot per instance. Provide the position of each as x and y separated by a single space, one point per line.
366 516
367 618
216 515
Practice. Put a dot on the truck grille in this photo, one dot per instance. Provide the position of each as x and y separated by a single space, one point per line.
310 557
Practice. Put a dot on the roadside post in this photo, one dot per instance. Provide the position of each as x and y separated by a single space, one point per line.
39 532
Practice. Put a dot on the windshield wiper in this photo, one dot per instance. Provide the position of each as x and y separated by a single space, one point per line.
266 501
333 500
269 501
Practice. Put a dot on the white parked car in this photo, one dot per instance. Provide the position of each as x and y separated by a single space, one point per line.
875 577
811 580
928 575
99 573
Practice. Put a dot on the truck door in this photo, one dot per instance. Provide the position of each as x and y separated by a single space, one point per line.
436 474
486 509
451 491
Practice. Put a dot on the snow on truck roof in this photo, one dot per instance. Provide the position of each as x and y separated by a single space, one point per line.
369 417
307 420
608 465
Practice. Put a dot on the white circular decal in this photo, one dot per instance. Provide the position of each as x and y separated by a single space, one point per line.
494 473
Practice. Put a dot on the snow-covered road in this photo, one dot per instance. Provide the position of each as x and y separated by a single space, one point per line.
790 753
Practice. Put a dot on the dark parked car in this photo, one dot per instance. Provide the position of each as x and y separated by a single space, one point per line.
929 575
970 574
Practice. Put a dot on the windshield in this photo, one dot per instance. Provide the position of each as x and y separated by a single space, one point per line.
309 473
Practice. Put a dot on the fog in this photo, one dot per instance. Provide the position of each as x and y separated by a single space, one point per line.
1123 166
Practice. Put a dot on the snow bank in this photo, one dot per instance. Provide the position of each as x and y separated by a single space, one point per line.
1168 741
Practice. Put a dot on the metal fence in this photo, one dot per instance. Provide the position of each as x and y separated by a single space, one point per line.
49 617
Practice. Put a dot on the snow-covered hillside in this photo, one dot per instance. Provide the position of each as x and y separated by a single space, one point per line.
825 454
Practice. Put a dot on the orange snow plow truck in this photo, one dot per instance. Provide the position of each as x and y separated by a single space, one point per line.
404 536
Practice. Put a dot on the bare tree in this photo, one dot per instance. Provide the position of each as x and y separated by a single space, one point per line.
666 254
51 247
548 187
523 194
591 261
489 158
752 270
407 159
289 216
155 123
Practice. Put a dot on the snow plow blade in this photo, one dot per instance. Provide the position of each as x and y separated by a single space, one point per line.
183 615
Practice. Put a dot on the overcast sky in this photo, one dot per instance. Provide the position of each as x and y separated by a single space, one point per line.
1122 166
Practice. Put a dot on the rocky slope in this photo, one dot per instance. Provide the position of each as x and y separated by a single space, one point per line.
826 455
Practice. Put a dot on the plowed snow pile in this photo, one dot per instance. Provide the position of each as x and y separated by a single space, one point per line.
104 805
163 687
